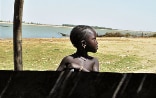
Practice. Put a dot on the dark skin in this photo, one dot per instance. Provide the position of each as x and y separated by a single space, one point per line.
81 61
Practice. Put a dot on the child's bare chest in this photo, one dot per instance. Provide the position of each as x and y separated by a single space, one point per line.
86 63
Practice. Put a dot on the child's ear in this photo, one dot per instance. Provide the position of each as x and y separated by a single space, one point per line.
83 42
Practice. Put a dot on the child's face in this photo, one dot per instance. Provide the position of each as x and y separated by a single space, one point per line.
91 42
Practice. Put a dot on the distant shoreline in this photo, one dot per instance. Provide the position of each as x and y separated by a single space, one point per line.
33 24
71 26
108 32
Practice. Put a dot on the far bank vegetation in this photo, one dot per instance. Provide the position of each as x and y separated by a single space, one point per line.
118 34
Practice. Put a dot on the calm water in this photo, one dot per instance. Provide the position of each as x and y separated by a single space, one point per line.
32 31
36 31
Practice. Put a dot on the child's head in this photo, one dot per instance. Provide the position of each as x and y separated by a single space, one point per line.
82 35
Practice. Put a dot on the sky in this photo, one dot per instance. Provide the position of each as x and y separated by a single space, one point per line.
138 15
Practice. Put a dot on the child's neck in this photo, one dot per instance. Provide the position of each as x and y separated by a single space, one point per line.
82 53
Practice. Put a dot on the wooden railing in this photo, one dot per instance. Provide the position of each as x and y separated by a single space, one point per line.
51 84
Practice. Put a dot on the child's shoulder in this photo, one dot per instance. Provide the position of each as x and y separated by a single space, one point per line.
69 57
95 60
92 58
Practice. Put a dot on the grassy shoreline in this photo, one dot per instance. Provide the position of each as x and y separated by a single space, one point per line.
114 54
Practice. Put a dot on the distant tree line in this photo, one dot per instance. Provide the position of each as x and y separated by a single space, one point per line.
118 34
154 35
5 21
115 34
95 27
68 25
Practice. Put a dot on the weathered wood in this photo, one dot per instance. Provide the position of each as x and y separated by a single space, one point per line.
17 34
51 84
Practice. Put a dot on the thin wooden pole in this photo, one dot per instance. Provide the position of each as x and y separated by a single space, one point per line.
17 34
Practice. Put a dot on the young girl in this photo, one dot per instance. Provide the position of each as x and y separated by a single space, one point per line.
84 40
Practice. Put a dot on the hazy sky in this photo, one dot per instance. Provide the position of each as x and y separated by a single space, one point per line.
117 14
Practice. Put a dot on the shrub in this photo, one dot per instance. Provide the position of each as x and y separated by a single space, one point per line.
112 34
154 35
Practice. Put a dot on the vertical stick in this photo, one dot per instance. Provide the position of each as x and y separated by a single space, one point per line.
17 34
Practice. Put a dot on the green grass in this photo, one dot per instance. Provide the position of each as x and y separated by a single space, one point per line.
46 54
116 63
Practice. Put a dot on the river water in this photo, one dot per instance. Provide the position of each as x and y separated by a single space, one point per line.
38 31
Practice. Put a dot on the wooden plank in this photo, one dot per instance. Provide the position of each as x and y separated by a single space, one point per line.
51 84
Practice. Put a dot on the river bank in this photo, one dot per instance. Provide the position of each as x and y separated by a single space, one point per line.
32 30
